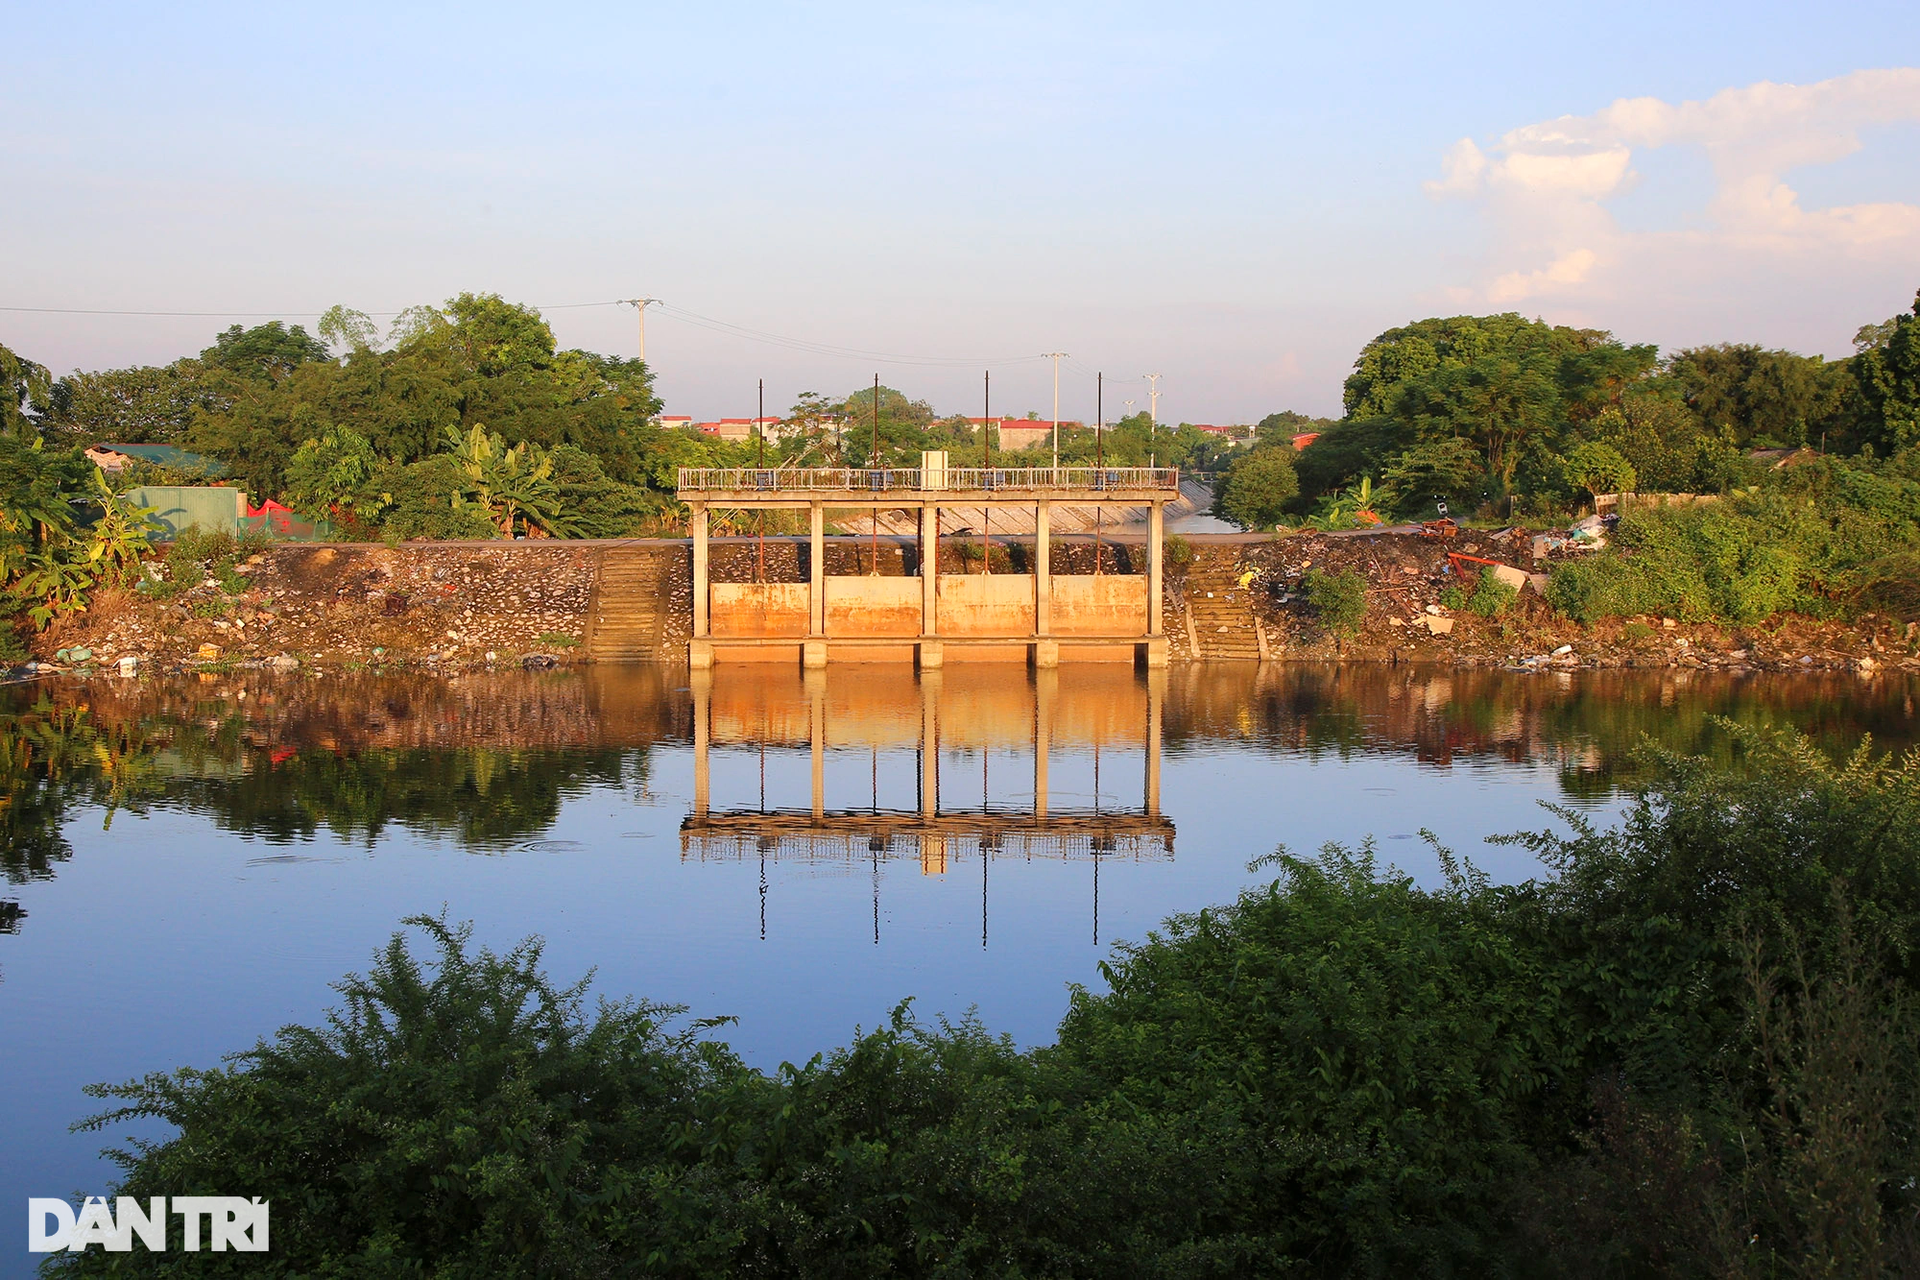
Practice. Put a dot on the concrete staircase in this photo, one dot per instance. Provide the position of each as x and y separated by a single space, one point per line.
1220 619
631 600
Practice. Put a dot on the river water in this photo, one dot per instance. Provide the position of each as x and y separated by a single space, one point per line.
190 863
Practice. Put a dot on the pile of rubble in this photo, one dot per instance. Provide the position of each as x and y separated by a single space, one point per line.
439 606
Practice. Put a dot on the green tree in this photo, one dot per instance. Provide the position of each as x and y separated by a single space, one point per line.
143 405
1756 398
1886 369
335 472
270 351
343 327
24 385
513 484
1502 382
1447 470
1599 468
1257 488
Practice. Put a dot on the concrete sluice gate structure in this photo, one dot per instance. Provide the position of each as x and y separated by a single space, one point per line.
984 749
930 618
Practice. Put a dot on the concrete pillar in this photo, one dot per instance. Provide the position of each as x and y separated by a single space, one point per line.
930 747
1156 536
929 568
700 623
816 687
1156 692
1045 685
701 686
1042 557
817 570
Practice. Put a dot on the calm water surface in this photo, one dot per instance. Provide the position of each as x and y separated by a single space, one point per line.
189 864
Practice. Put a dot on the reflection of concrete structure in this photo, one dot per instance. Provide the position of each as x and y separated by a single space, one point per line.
933 616
971 713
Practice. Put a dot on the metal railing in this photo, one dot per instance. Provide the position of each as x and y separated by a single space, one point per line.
914 480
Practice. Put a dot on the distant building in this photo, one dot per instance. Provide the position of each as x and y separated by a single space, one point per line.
740 430
1024 433
672 422
1303 439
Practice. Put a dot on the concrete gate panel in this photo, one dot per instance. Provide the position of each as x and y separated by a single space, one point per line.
1102 604
872 606
985 604
757 610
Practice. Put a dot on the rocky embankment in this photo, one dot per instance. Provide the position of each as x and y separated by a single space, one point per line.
440 606
454 606
1406 620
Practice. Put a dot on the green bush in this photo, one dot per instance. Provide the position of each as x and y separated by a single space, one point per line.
1818 536
1338 600
1492 597
1258 487
1687 1051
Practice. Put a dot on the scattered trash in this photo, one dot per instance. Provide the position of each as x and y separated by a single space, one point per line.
1563 651
539 661
76 655
283 662
129 666
209 653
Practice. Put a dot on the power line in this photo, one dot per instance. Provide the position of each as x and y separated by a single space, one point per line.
256 315
726 328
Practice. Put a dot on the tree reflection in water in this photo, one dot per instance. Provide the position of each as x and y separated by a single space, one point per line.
488 760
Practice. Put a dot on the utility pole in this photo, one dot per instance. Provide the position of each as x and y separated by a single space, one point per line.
986 510
760 429
1056 357
640 306
1153 414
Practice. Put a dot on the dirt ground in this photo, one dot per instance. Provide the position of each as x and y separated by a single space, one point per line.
375 605
449 606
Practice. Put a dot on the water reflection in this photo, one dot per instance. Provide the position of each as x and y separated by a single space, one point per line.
488 761
802 852
982 749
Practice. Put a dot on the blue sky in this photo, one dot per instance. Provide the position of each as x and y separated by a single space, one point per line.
1236 197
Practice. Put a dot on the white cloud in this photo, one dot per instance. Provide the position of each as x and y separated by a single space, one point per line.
1546 187
1517 286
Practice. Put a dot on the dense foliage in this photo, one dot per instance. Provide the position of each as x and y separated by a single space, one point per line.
1821 537
1686 1053
1517 417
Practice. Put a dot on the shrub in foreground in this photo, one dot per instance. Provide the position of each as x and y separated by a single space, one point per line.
1688 1052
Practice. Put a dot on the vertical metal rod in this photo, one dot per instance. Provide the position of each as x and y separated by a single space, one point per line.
876 466
1099 455
986 463
760 526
